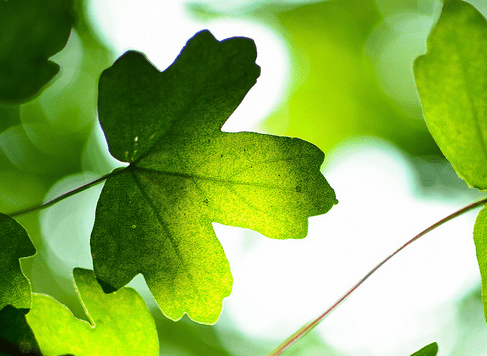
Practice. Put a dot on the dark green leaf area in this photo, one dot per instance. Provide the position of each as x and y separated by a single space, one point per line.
16 337
138 104
119 323
480 240
14 287
31 31
428 350
452 83
155 216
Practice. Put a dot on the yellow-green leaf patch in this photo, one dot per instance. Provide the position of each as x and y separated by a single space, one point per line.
119 323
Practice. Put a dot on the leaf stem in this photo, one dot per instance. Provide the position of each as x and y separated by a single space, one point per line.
310 325
67 194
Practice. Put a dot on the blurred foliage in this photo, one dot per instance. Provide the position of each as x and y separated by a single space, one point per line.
31 31
335 93
310 344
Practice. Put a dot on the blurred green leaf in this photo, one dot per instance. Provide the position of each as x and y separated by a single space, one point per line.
334 92
429 350
452 83
16 337
480 239
154 217
14 286
120 323
31 31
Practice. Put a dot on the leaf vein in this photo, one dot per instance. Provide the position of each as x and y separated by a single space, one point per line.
168 233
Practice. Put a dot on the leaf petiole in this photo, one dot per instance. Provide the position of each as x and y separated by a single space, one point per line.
310 325
68 194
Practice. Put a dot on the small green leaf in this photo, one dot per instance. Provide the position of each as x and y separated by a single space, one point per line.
120 323
452 83
428 350
480 239
155 217
31 31
14 286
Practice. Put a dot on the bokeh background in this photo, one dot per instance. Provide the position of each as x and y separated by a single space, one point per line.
337 73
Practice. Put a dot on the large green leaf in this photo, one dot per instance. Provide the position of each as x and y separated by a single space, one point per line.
452 83
14 286
155 216
428 350
120 323
31 31
480 239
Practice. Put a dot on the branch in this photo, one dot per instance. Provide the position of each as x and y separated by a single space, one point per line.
310 325
67 195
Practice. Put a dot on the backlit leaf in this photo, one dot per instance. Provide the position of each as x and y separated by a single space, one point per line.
14 286
155 216
452 83
119 323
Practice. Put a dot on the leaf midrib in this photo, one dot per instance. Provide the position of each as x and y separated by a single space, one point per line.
168 233
214 180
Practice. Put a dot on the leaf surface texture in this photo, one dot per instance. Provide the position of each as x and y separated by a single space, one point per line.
14 286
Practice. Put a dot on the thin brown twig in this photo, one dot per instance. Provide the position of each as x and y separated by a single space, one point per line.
312 324
65 195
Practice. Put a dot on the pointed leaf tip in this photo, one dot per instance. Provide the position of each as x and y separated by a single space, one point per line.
428 350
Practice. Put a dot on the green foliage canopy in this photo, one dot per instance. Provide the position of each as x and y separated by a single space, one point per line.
154 217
